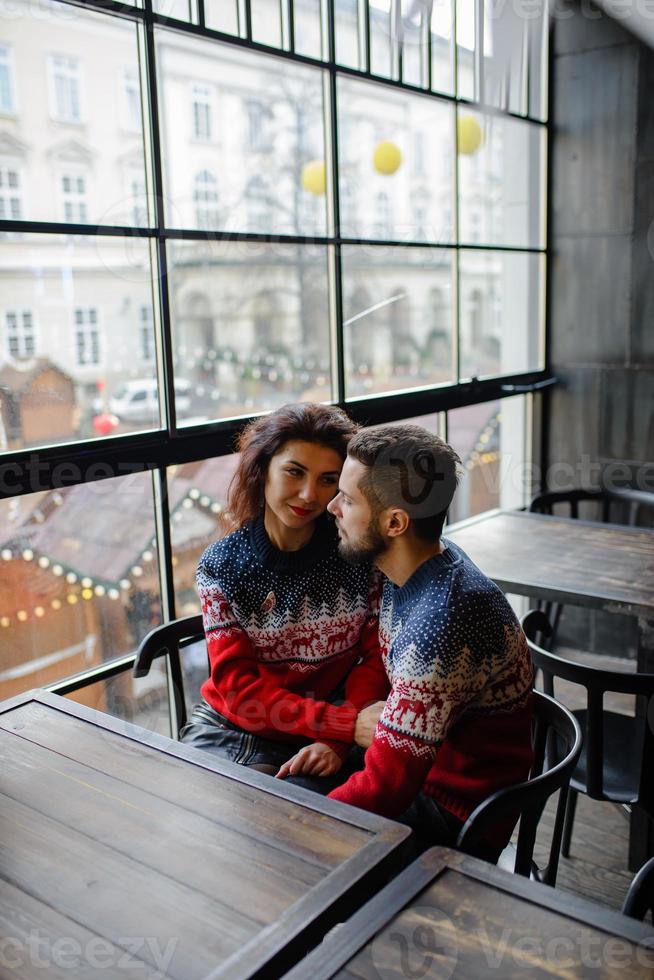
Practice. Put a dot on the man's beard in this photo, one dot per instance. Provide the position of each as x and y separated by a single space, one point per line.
366 549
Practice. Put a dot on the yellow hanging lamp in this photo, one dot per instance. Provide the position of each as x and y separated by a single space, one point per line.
387 157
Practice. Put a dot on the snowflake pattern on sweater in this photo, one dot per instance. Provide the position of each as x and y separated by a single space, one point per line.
287 627
456 722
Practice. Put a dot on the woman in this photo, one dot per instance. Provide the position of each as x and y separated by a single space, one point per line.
291 628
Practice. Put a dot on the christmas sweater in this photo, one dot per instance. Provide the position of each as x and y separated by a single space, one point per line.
457 722
284 629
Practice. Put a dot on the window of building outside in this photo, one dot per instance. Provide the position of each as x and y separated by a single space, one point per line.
205 195
256 125
7 89
21 340
87 336
147 333
73 195
65 89
10 193
132 101
201 112
261 303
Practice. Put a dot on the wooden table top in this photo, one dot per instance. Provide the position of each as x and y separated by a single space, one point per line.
449 915
118 843
605 566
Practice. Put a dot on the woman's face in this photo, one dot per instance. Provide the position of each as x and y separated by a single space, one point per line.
302 478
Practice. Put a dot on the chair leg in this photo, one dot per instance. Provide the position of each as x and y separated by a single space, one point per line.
569 820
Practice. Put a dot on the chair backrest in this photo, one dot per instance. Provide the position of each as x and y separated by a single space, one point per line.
528 799
613 503
640 897
165 641
597 681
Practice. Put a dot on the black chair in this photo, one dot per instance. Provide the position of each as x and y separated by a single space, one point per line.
640 897
551 771
617 748
613 503
621 506
166 641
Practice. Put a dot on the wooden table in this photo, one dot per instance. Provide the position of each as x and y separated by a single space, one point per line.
579 563
449 915
123 852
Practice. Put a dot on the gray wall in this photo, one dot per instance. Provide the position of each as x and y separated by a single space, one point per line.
601 417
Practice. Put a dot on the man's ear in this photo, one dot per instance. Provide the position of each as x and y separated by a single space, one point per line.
395 522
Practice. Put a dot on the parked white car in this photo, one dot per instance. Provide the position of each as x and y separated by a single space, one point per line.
138 400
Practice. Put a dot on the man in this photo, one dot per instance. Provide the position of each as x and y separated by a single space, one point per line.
457 723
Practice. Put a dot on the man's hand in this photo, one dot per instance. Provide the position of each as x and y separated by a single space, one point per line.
366 723
316 759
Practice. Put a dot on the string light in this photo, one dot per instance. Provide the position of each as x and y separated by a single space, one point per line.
57 570
56 604
71 599
86 583
44 561
71 578
7 555
21 615
39 611
28 554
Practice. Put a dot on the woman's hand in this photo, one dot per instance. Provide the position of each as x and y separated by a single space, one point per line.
366 723
316 759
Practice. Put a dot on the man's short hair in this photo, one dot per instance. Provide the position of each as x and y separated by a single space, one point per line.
408 467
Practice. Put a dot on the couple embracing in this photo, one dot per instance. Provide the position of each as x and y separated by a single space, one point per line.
354 651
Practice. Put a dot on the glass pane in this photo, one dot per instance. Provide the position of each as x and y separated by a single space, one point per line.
442 48
222 15
77 357
501 180
396 153
266 22
413 34
346 16
307 24
501 311
397 318
242 139
465 49
80 156
179 9
382 38
198 495
251 324
137 700
491 440
79 584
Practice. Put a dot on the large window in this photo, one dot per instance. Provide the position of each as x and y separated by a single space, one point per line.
346 208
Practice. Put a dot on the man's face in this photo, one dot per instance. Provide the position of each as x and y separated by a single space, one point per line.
358 529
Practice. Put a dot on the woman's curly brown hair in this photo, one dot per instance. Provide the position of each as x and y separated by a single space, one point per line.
261 439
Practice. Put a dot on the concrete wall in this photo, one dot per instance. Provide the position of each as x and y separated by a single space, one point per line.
601 417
